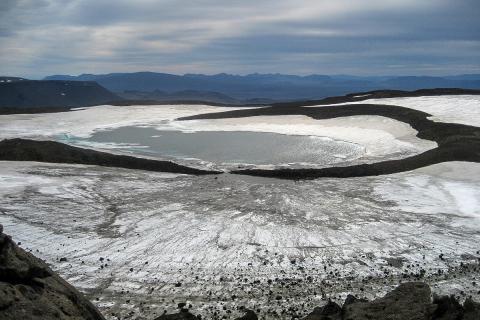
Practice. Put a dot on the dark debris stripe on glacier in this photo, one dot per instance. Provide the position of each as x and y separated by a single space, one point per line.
55 152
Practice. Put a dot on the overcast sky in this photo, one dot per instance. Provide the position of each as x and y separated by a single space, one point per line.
363 37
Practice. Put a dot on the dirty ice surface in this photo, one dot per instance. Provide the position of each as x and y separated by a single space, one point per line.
371 138
139 243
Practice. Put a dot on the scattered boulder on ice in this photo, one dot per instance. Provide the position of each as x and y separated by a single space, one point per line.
30 290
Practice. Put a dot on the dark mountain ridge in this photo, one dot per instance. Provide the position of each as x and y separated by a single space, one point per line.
279 87
53 94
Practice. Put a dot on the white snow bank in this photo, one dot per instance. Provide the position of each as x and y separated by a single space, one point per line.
451 188
83 122
463 109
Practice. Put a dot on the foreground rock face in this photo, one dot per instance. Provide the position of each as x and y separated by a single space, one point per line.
409 301
30 290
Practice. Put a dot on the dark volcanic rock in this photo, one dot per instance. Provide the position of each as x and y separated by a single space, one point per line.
471 310
448 308
330 311
55 152
30 290
408 301
249 315
183 315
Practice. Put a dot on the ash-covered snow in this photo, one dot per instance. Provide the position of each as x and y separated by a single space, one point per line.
142 242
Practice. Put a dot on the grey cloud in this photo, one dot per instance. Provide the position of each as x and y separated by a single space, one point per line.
303 36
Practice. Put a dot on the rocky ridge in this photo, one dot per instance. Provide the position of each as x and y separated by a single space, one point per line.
30 290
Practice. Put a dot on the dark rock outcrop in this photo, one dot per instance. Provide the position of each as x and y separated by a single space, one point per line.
56 152
249 315
409 301
447 308
330 311
471 310
182 315
30 290
185 315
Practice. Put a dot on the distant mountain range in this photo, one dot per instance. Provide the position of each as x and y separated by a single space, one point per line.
63 91
227 88
189 95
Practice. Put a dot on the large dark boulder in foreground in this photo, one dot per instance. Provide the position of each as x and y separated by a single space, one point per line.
408 301
182 315
471 309
330 311
185 315
249 315
30 290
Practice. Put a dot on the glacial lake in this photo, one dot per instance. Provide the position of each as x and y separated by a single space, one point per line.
223 147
